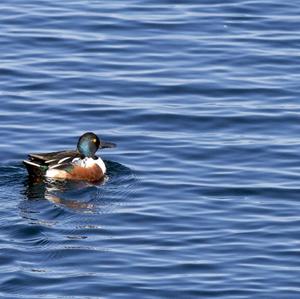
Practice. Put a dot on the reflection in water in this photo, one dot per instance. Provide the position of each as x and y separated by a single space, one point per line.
57 192
78 196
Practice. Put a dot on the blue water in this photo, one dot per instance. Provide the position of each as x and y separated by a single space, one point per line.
202 194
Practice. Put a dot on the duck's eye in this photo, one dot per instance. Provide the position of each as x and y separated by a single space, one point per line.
94 140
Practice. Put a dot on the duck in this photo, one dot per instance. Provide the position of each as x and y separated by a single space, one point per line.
80 164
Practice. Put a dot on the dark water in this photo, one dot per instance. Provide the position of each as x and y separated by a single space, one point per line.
202 195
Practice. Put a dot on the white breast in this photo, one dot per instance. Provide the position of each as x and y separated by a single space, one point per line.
89 162
99 162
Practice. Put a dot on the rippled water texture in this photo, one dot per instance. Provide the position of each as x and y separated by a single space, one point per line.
201 199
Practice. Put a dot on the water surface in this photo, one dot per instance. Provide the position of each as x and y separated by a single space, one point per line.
201 198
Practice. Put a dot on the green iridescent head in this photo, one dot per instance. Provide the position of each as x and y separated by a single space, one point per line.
89 143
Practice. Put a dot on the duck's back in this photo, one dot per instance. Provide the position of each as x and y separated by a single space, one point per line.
38 163
53 157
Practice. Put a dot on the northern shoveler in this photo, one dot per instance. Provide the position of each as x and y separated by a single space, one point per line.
80 164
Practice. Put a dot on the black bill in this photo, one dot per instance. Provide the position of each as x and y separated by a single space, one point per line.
104 144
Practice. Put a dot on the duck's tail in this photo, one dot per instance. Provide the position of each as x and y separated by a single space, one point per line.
34 169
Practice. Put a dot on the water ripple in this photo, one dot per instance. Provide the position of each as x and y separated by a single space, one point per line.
201 196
